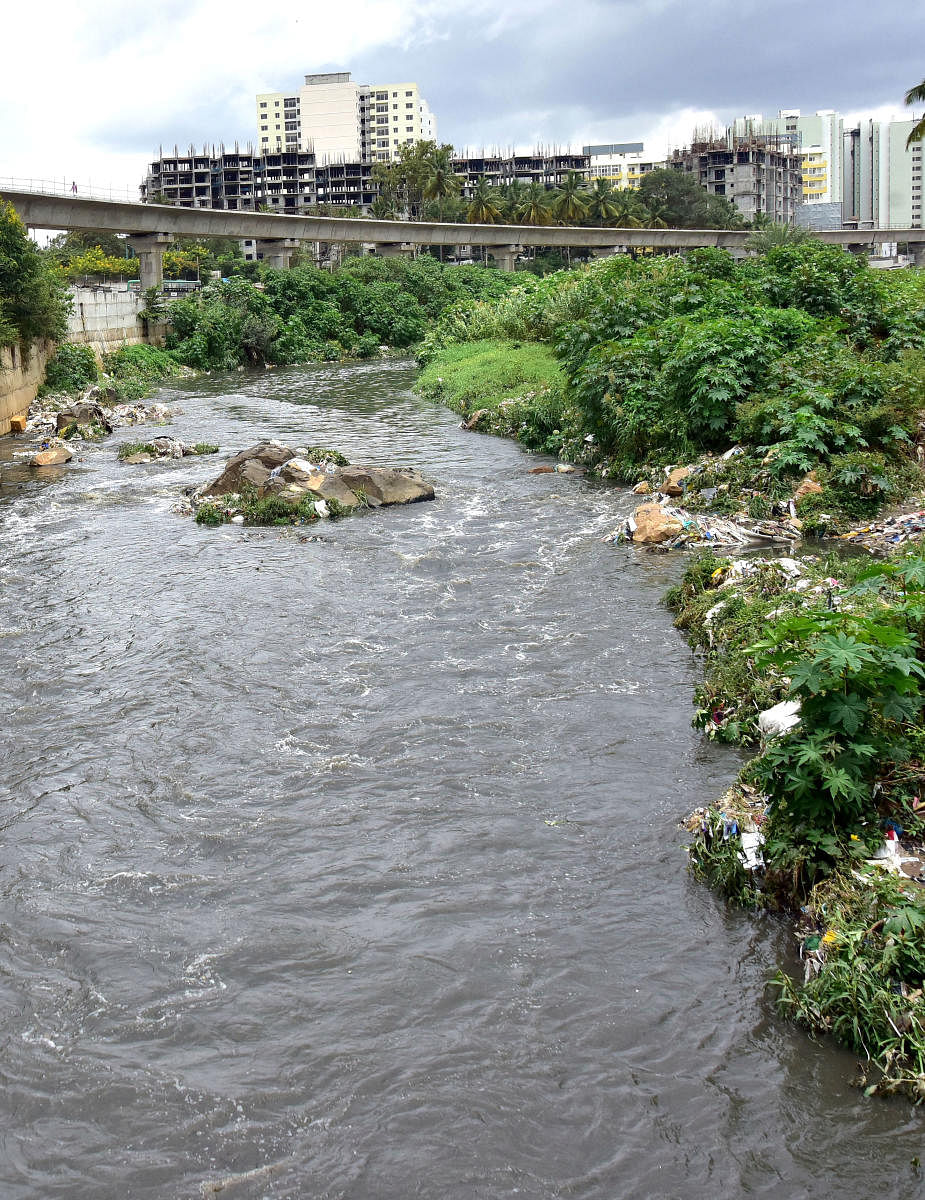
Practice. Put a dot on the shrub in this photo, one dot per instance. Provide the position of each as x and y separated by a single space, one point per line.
72 369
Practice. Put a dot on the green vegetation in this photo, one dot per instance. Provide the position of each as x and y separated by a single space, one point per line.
129 449
72 369
33 302
309 315
845 641
805 357
503 388
264 510
134 371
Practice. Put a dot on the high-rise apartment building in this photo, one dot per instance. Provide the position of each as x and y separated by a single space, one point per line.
342 121
883 176
864 175
818 138
758 173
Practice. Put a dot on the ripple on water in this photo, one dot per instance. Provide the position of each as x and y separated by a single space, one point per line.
351 868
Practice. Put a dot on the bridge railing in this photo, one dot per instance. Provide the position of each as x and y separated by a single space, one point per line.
85 189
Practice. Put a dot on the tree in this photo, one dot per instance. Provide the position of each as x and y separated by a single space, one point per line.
68 245
771 235
916 95
536 206
631 212
33 302
570 203
679 200
403 180
603 205
442 182
483 208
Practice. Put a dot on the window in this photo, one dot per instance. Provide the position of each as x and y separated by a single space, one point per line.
263 103
263 129
409 129
409 93
409 104
394 94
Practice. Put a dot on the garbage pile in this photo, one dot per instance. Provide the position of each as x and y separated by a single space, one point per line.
883 535
661 526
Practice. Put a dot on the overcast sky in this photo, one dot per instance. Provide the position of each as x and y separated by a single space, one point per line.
91 88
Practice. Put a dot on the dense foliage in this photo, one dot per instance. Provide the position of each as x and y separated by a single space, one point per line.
33 303
307 314
806 357
846 641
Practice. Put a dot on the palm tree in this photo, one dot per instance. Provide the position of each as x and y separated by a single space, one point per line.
631 212
513 194
383 208
570 204
916 95
535 207
603 204
765 239
441 181
483 209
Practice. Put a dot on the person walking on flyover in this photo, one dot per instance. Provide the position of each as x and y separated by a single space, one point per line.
74 187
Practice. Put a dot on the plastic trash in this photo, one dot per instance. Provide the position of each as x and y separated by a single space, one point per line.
751 856
780 719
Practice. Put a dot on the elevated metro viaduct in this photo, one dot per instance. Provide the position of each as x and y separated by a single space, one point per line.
152 227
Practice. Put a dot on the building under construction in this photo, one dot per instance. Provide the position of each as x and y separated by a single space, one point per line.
757 172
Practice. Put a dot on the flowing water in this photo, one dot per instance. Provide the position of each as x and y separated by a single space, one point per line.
348 865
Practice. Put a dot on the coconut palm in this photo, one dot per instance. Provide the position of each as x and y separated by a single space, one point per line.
631 212
570 203
441 182
916 95
483 209
513 198
603 204
763 240
535 207
383 208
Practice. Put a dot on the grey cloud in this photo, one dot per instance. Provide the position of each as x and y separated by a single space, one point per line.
594 62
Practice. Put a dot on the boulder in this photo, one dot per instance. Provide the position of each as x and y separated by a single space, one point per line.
642 488
52 457
251 467
654 524
83 413
810 486
387 485
18 423
542 470
673 482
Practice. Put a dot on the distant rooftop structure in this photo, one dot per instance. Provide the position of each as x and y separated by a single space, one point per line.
327 77
614 148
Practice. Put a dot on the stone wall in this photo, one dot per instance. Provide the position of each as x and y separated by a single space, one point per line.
105 318
20 377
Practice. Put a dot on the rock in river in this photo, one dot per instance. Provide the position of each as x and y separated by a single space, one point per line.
274 469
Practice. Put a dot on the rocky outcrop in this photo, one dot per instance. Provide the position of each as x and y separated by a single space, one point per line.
674 483
272 469
83 414
251 468
654 524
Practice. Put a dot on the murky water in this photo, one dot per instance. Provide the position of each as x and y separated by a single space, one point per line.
350 868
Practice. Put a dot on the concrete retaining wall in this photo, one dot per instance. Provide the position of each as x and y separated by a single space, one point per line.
20 378
105 318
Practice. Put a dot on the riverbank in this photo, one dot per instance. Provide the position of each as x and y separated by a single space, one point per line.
817 663
749 404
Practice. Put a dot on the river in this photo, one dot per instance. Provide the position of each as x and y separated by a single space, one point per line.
350 868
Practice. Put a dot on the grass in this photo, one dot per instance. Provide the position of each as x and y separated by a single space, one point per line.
516 388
